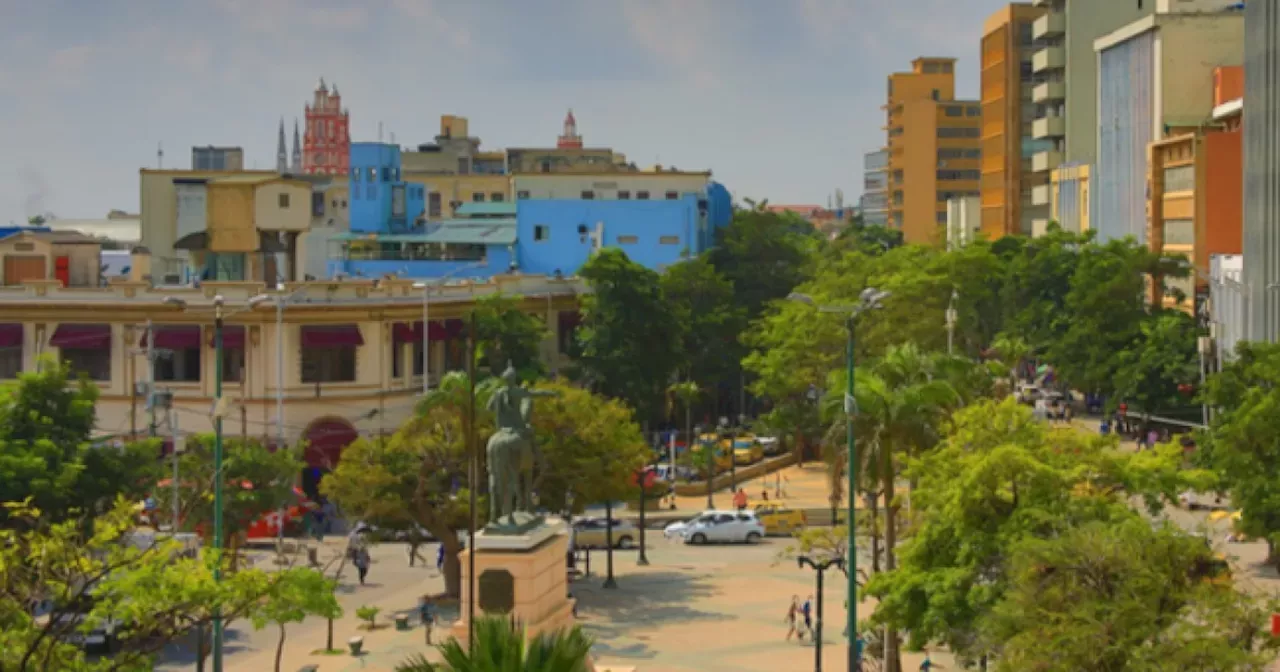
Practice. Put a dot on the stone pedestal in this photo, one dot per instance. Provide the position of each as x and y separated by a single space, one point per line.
519 575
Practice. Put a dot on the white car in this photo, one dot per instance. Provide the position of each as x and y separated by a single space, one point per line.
719 526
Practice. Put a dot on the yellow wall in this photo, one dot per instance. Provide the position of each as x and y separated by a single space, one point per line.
1003 185
270 216
230 221
158 207
460 188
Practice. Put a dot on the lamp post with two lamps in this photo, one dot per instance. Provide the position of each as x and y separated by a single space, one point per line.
819 566
870 299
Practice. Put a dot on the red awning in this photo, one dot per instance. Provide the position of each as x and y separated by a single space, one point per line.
452 329
232 337
404 332
82 336
11 335
175 337
332 336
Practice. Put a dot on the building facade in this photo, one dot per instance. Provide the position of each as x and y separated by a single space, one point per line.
1065 67
1007 85
1195 203
381 201
1154 80
1261 166
964 221
217 158
326 147
933 145
1070 202
348 361
874 202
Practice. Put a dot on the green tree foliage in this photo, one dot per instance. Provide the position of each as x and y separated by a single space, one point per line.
47 454
630 337
256 481
590 448
506 334
295 594
500 645
867 239
151 593
1000 478
1124 596
1243 444
1163 358
764 255
1036 282
704 302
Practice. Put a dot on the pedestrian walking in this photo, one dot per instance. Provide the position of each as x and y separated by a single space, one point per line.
806 610
426 612
440 558
927 665
740 499
415 540
362 563
792 611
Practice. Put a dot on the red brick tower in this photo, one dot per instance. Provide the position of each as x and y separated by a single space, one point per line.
327 143
570 138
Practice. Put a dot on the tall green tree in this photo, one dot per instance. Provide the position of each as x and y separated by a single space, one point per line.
704 303
1156 371
506 334
48 455
630 337
295 594
765 255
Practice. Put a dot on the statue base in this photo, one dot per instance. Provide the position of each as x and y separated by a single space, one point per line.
520 575
519 523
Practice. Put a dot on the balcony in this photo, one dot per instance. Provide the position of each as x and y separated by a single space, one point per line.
1047 92
1040 195
1049 127
1049 58
1039 227
1052 24
1045 161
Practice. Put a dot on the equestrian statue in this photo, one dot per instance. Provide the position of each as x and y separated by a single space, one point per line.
511 454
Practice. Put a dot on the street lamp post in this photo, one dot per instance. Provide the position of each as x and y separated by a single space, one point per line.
709 457
820 567
642 477
870 299
609 581
723 431
951 322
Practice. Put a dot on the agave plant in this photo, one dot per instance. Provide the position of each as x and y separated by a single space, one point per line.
501 646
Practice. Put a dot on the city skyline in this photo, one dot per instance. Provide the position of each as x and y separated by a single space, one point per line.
753 93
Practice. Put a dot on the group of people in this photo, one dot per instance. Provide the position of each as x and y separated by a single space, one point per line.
1053 410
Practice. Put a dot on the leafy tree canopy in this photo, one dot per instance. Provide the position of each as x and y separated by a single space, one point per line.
704 302
507 334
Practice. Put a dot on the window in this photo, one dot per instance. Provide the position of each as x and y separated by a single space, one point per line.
952 153
541 232
671 195
958 174
181 366
588 195
433 204
669 240
319 159
934 94
373 174
624 195
10 362
232 364
417 357
317 203
642 195
397 359
628 240
1179 232
464 165
355 174
1179 178
973 111
397 201
941 217
329 365
961 132
953 111
497 197
94 363
477 197
522 194
284 200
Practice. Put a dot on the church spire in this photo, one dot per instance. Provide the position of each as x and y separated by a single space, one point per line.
296 165
570 138
282 156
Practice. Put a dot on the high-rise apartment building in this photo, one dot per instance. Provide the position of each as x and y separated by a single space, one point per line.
933 145
1261 165
1065 69
1008 114
874 203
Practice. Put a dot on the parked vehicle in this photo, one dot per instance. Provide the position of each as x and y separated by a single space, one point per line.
771 445
665 472
719 526
780 521
593 533
746 450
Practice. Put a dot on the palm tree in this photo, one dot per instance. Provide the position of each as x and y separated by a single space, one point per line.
901 405
500 645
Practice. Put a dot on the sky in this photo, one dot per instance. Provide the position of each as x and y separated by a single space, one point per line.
779 98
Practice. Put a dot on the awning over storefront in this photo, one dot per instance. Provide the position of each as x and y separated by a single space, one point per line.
174 337
83 336
404 332
332 336
232 337
11 335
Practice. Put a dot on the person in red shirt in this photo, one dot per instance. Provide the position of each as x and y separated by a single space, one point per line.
740 499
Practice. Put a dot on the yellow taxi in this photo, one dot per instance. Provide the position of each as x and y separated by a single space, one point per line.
746 450
780 521
723 460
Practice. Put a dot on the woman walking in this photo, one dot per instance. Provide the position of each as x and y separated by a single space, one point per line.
362 563
792 612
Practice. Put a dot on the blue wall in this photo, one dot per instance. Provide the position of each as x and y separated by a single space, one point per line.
497 258
1126 120
373 183
719 213
566 247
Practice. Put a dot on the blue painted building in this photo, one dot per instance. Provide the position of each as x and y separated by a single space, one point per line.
380 201
560 234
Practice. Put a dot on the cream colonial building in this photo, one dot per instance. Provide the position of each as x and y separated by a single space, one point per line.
351 349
